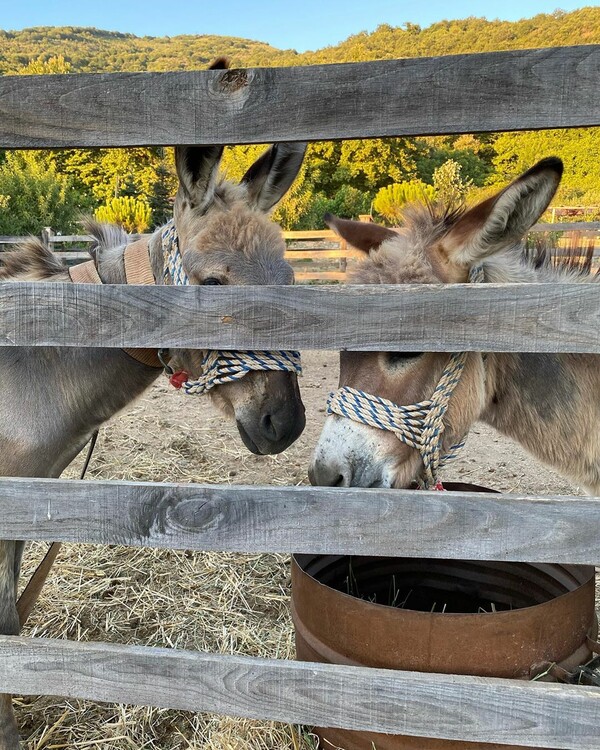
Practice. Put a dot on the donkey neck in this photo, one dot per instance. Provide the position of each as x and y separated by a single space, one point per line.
70 392
548 403
111 266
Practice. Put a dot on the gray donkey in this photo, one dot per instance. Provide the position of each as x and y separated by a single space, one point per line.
547 402
225 237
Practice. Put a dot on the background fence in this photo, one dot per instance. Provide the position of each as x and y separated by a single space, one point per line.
497 91
321 255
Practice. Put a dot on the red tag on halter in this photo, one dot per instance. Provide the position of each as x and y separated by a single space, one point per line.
177 379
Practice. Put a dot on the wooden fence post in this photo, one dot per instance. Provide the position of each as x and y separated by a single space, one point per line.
47 235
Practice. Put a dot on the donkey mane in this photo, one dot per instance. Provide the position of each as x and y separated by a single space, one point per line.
105 236
32 261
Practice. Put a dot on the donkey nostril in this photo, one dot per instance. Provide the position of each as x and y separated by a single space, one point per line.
268 428
323 475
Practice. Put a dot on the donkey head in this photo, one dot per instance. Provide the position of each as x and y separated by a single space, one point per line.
226 237
435 245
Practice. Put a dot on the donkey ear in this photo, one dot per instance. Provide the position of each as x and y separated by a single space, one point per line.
221 63
271 176
503 219
362 235
197 169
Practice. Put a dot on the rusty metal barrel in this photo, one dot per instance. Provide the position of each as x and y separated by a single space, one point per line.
489 619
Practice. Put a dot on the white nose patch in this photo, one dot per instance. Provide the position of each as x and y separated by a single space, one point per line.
355 450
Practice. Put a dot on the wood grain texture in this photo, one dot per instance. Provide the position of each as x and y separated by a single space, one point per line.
470 317
11 239
303 519
433 705
567 226
496 91
311 234
317 254
320 275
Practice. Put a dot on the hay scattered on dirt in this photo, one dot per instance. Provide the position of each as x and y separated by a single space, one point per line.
231 604
206 601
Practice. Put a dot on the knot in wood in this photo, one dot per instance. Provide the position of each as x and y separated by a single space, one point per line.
233 80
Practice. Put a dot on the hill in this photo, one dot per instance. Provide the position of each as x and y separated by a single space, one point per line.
93 50
38 189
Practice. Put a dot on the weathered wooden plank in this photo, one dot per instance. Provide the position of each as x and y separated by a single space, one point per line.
497 91
73 255
470 317
57 239
311 234
303 519
11 239
320 275
316 254
476 709
573 226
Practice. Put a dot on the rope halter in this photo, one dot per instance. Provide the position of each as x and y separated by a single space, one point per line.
420 426
217 367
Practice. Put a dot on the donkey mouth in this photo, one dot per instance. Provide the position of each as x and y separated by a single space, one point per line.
248 442
267 441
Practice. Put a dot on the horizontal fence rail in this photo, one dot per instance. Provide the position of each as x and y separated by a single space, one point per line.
494 91
470 317
567 226
476 709
318 235
465 525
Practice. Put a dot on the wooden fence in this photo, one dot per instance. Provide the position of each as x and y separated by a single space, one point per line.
497 91
311 253
315 255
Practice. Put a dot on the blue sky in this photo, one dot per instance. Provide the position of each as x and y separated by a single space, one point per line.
298 24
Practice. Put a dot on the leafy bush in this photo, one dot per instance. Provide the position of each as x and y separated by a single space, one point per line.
35 195
348 202
451 187
390 200
130 213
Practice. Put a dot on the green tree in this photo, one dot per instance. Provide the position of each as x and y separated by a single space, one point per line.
37 195
450 186
161 195
473 153
50 66
579 149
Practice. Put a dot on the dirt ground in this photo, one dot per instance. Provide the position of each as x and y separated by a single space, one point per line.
207 601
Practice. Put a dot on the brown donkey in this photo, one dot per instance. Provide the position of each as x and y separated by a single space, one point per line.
548 402
225 237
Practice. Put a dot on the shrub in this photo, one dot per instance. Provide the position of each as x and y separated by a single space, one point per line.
34 195
130 213
390 200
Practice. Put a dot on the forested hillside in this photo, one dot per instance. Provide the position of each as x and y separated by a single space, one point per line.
91 50
135 186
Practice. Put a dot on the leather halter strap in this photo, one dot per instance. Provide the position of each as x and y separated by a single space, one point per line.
138 270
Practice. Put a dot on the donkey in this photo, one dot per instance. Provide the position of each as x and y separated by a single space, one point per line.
225 237
547 402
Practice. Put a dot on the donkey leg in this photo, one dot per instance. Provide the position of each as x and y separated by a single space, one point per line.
10 554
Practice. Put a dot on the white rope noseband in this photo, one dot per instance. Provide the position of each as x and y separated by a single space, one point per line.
220 367
420 426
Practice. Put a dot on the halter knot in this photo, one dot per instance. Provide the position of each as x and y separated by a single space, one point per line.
218 367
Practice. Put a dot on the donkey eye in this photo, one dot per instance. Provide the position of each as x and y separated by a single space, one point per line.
212 281
397 358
